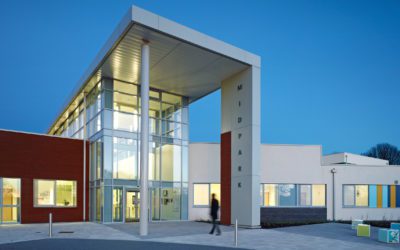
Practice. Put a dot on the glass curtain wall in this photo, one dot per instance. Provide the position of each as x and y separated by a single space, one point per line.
113 129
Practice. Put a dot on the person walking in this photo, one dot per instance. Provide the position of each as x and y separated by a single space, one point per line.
214 215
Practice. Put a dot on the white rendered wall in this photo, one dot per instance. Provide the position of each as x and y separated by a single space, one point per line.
295 164
352 159
347 174
240 103
291 164
204 167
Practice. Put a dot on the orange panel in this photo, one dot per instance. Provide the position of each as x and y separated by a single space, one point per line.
392 196
379 195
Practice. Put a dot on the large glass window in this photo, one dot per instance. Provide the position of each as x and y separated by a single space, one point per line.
305 195
270 195
348 195
154 161
292 195
318 195
66 193
125 158
202 193
124 87
11 200
355 195
171 203
117 204
287 195
361 195
99 204
44 193
58 193
171 163
11 191
215 188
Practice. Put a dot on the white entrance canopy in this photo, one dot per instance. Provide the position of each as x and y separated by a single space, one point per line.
182 61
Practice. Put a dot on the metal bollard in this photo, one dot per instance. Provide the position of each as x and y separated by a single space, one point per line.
236 233
50 224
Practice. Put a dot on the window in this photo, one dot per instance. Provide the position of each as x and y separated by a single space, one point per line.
65 193
287 195
318 195
305 195
348 195
125 158
270 195
361 195
10 200
171 163
202 193
215 189
355 195
293 195
55 193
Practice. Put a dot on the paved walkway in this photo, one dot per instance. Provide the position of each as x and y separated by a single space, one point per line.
79 244
24 232
320 236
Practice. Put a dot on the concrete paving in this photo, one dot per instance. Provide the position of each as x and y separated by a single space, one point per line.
320 236
79 244
24 232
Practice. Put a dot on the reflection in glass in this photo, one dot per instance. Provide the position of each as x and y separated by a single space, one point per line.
99 204
287 195
201 194
318 195
66 193
270 194
215 188
362 195
11 191
44 193
171 203
125 121
305 195
154 161
125 158
10 215
171 163
348 191
117 204
155 203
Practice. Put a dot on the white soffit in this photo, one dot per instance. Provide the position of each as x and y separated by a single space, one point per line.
182 60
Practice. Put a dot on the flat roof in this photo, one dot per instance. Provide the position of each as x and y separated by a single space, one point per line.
182 60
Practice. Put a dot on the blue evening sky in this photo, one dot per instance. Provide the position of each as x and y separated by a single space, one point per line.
330 69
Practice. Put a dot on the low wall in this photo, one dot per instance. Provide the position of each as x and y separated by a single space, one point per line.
292 215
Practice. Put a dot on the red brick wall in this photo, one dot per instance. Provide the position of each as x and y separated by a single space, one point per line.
30 156
226 178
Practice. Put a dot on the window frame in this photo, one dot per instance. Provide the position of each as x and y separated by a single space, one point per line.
35 205
209 193
354 196
297 187
2 206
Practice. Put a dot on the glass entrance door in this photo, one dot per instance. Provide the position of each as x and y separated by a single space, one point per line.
132 210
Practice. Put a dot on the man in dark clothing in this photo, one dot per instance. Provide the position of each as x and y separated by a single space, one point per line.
214 215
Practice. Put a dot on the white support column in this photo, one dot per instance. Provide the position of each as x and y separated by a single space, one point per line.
84 156
144 139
